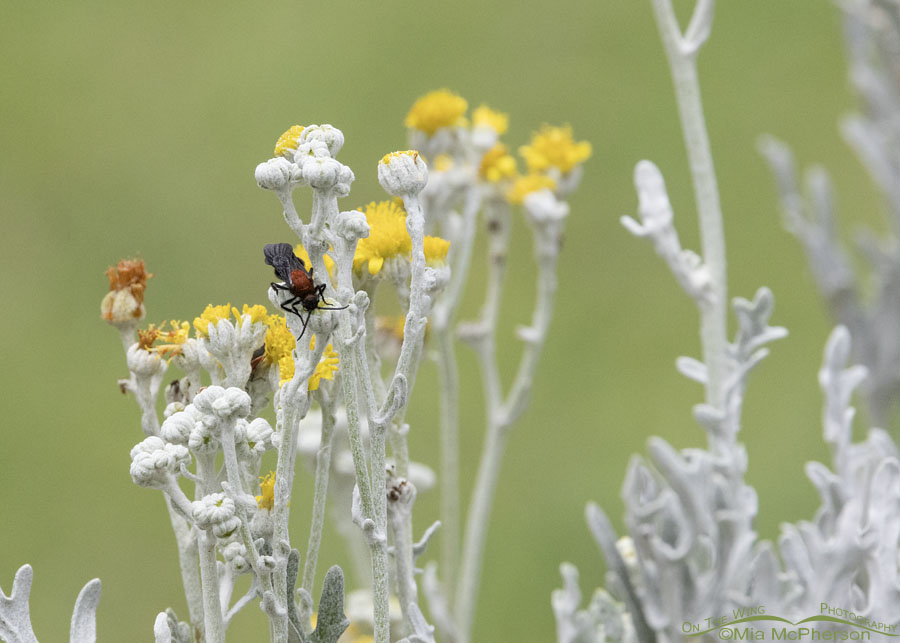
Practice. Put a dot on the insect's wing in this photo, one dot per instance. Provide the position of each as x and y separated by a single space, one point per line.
282 258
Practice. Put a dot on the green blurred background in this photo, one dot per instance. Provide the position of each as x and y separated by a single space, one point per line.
134 128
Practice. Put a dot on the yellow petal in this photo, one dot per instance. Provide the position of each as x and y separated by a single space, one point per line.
375 264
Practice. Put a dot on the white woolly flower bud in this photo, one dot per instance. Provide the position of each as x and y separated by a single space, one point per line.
235 555
274 174
543 206
203 401
345 178
153 462
172 408
144 363
351 225
177 428
212 510
215 403
259 436
234 402
226 528
402 173
331 136
324 173
309 151
202 440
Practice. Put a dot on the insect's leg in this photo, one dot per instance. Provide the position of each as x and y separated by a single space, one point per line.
276 286
289 305
320 293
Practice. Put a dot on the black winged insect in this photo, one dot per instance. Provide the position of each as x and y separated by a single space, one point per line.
297 281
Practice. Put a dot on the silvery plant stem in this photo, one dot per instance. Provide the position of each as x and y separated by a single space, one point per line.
295 404
501 413
448 375
444 317
187 560
681 51
476 530
407 367
214 631
377 545
323 469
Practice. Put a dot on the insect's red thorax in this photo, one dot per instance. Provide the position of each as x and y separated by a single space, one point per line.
301 283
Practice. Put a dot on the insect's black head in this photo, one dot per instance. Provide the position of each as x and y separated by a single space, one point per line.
310 301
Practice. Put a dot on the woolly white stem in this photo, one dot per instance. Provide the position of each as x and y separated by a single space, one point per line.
323 469
681 52
186 541
212 608
501 414
449 472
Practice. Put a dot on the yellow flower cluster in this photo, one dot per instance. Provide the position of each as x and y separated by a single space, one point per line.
551 152
280 345
388 238
280 342
288 142
437 109
484 116
554 147
498 165
267 490
527 184
436 251
215 314
326 368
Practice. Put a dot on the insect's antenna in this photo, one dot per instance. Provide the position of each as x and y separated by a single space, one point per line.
320 290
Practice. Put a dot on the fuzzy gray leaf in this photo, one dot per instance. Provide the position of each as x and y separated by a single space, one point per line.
295 626
161 631
84 617
605 536
331 621
692 369
15 621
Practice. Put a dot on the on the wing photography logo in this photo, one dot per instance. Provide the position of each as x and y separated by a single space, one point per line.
832 623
